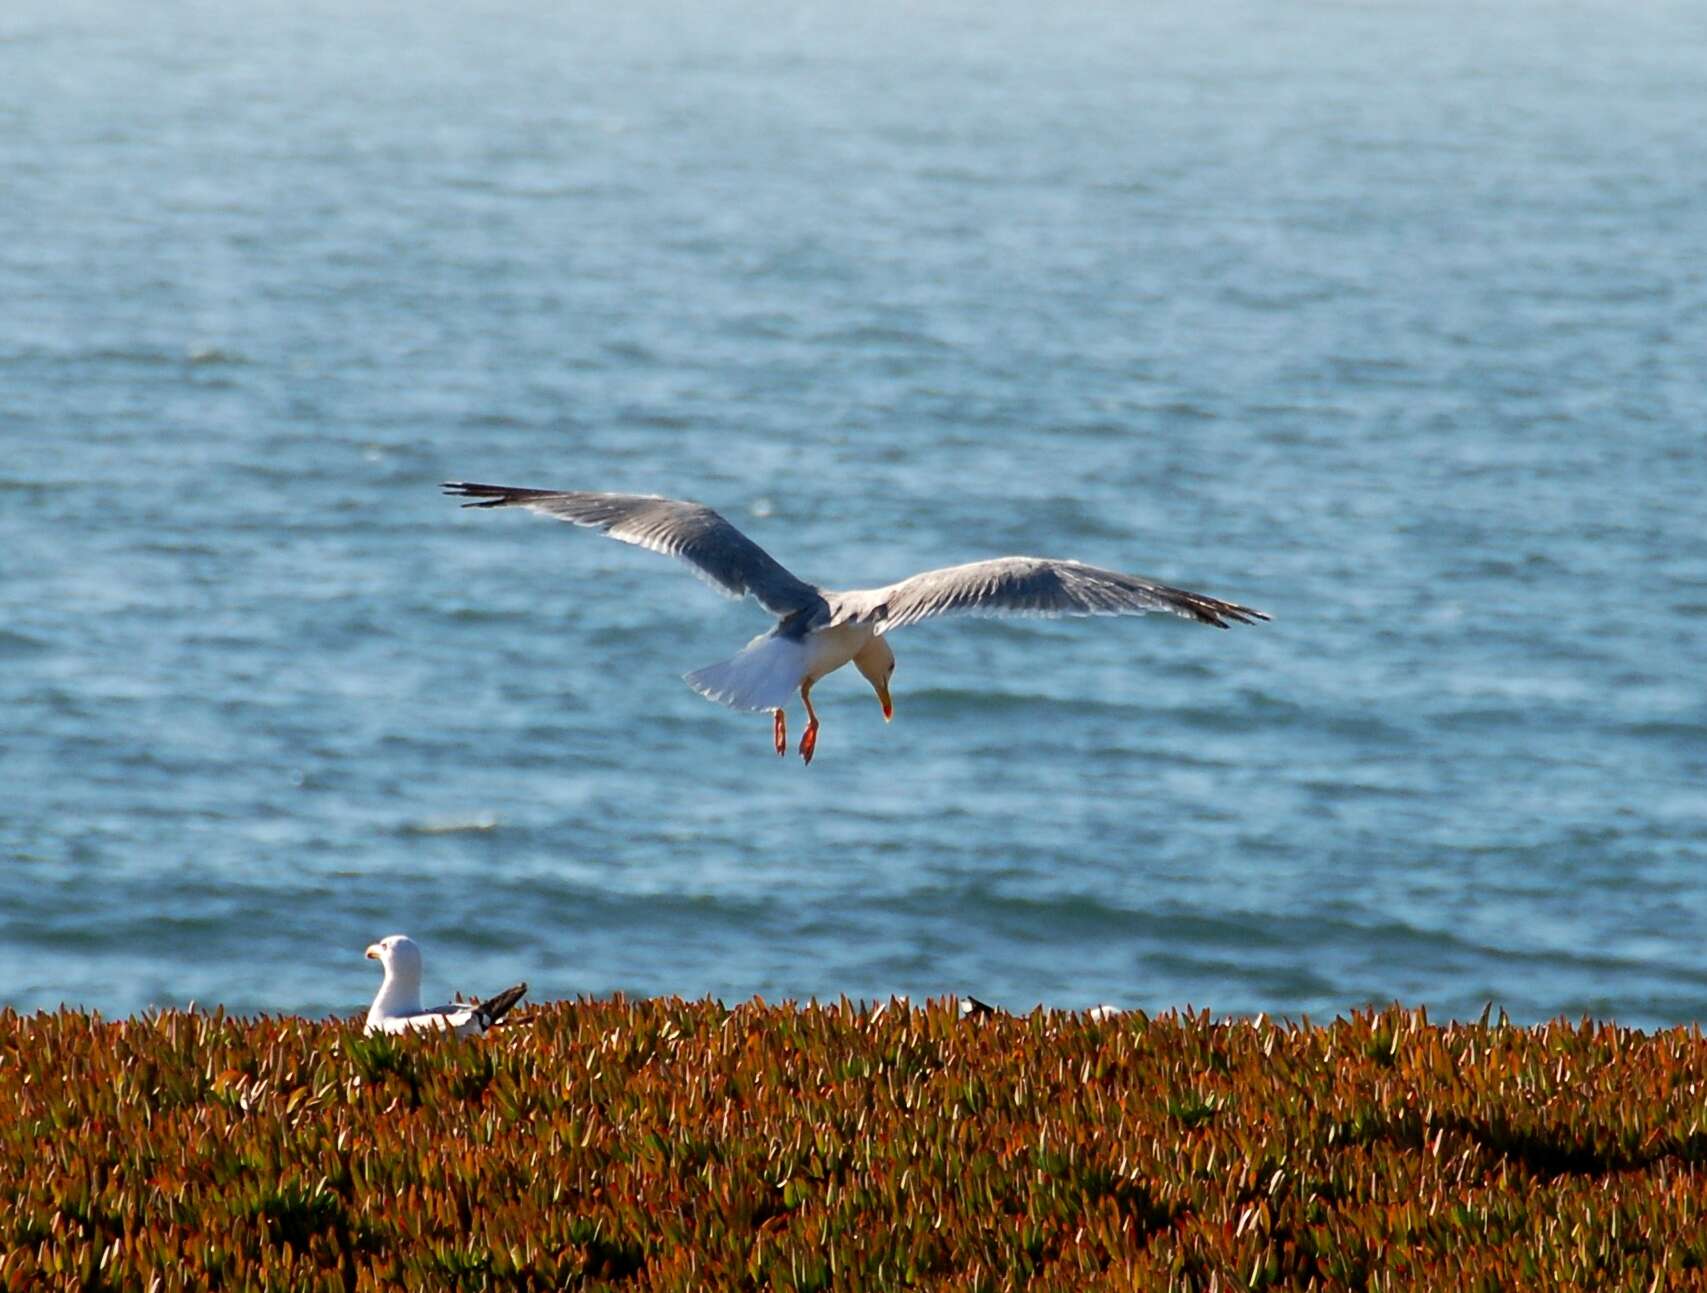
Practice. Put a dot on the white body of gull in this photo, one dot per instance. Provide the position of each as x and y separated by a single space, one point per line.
397 1007
817 630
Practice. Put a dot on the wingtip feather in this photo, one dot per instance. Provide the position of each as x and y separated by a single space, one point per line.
488 495
495 1007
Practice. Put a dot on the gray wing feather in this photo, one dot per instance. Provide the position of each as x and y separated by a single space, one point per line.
690 531
1029 586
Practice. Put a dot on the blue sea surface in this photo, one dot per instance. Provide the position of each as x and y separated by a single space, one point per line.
1389 319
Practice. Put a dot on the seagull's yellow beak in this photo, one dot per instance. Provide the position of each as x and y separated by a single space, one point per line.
883 698
372 952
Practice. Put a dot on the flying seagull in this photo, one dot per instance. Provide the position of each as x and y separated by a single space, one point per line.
817 630
397 1007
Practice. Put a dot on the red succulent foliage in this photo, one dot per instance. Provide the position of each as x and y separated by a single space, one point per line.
683 1145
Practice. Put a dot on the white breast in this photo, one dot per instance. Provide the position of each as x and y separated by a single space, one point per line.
830 648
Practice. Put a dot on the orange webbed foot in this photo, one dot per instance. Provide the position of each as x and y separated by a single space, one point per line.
809 742
781 733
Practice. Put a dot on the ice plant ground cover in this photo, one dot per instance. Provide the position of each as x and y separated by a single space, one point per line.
686 1145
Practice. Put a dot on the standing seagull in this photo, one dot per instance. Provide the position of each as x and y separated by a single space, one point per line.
818 631
397 1007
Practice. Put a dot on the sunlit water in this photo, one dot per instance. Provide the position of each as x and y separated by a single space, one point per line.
1387 319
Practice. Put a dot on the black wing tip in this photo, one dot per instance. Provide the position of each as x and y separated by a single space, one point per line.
1219 613
495 1007
1242 616
488 495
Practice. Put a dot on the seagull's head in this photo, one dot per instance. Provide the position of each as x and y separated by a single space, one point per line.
877 662
398 955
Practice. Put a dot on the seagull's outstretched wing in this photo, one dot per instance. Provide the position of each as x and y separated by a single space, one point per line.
691 531
1027 586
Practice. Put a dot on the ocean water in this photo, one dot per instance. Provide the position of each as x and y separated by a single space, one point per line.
1389 319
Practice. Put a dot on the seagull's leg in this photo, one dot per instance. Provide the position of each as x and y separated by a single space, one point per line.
781 733
809 740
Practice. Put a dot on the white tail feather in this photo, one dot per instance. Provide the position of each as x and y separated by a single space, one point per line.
765 674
